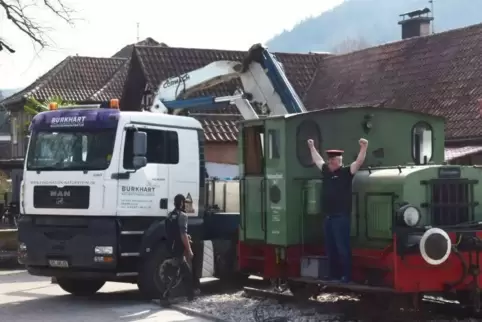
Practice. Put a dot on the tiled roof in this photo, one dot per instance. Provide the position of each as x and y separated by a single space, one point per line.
219 127
75 79
114 87
452 153
126 52
437 74
159 63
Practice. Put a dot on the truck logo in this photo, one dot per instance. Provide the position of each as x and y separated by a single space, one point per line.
67 121
59 193
59 196
176 80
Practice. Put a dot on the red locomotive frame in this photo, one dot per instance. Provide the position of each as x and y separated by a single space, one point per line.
403 273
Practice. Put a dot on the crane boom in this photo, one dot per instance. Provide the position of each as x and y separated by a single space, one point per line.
265 85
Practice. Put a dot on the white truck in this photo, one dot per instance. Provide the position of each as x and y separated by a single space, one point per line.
98 182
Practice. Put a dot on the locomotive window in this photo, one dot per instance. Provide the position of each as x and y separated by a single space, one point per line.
422 143
253 153
273 144
308 129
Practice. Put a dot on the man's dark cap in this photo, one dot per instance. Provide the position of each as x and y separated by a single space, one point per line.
334 153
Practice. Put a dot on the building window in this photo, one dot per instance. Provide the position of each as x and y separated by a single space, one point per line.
162 147
308 129
422 143
273 144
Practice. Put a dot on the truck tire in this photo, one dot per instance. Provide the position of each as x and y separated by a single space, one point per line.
80 287
149 280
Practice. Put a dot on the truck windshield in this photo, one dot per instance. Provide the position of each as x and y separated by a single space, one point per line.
70 150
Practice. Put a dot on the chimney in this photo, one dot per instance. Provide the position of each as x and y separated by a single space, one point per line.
415 23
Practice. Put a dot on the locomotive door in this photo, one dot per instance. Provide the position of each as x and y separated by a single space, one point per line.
253 214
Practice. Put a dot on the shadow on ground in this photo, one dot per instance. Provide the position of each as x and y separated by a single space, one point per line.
43 303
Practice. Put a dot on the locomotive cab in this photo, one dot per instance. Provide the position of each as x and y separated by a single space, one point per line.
415 222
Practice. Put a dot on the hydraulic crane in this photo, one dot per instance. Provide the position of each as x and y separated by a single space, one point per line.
265 86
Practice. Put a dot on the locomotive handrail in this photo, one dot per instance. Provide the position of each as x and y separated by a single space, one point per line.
303 212
263 212
241 204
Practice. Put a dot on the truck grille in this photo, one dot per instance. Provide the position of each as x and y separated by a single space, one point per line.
452 201
73 197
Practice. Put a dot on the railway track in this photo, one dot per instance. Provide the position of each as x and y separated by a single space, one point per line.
357 309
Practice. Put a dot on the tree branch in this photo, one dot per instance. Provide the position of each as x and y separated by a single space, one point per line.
16 13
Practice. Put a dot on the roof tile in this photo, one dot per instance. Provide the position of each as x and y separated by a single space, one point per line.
75 79
219 127
452 153
114 87
435 74
159 63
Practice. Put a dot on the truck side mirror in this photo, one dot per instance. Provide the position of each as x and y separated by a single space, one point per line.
139 162
140 143
140 150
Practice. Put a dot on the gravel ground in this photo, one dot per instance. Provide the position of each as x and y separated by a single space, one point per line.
238 308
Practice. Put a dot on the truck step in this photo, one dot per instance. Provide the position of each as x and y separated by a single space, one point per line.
132 232
130 254
122 274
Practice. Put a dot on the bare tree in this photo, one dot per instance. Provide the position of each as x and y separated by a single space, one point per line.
19 13
350 44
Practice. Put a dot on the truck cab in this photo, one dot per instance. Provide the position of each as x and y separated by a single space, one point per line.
96 180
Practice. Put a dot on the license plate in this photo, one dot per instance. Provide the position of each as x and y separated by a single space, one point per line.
58 263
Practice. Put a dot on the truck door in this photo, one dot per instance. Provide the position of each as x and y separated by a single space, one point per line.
144 192
253 184
184 168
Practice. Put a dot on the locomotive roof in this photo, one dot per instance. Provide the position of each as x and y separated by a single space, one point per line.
344 109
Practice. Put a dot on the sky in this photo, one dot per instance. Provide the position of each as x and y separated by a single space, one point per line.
103 27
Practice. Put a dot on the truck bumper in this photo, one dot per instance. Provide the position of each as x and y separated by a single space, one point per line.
66 245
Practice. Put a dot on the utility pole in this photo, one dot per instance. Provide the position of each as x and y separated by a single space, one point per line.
138 38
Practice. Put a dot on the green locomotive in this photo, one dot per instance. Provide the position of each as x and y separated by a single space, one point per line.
415 221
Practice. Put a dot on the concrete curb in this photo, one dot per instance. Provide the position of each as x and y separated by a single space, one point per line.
191 312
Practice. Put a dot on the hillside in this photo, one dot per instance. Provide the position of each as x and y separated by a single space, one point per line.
363 23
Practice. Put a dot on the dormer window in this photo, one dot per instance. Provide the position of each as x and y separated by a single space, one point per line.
422 143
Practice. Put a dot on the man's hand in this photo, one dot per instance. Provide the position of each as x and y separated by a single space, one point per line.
189 254
189 238
355 166
363 142
315 156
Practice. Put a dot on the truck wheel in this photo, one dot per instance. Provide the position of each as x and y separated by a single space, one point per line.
149 280
80 287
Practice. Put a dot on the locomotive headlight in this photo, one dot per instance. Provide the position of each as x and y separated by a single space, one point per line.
411 216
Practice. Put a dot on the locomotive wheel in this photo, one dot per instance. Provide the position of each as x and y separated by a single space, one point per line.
302 291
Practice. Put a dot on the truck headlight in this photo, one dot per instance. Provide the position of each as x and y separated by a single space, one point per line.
22 247
104 250
410 215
